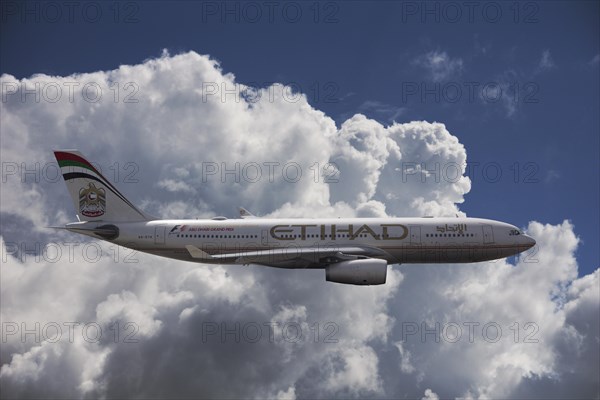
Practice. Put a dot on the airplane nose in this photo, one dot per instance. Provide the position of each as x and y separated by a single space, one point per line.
529 241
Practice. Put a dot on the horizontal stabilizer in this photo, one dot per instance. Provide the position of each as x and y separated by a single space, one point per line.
107 231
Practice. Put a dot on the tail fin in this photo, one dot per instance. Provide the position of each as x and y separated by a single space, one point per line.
94 197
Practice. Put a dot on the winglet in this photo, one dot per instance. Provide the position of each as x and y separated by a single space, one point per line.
197 253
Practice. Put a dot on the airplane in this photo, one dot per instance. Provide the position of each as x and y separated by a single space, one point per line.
351 250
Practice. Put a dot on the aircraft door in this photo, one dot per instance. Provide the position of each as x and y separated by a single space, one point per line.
415 234
159 234
488 234
264 237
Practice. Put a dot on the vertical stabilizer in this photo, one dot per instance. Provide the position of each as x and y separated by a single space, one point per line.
94 197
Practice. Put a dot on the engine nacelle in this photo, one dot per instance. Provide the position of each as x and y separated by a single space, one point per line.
368 271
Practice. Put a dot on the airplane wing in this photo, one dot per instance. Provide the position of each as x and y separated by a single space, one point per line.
293 257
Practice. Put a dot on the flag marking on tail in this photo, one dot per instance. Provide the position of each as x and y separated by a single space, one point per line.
91 199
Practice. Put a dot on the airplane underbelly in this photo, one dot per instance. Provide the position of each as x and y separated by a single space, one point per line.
442 254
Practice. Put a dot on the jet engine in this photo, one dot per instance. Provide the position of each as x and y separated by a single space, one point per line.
367 271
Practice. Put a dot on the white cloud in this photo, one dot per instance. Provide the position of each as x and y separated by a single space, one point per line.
127 307
546 62
175 186
358 373
405 365
289 394
439 65
430 395
503 92
382 111
353 337
551 176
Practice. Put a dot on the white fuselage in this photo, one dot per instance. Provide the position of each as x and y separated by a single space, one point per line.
397 240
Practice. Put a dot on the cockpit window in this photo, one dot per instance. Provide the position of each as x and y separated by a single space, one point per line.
514 232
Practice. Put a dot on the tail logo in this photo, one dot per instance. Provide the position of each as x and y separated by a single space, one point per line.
92 201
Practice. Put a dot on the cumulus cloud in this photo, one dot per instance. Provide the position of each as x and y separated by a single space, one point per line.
114 323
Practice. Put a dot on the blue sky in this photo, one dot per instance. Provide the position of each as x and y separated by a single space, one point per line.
378 58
